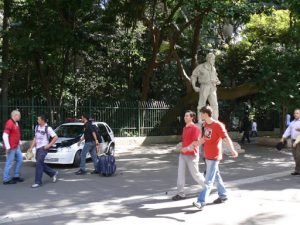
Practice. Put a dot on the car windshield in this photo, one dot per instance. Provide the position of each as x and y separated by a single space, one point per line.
69 131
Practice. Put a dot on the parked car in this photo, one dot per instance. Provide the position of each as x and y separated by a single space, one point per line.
66 149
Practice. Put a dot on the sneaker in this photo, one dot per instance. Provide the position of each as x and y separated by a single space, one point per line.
94 172
11 181
198 205
18 179
80 172
178 197
54 178
35 185
220 200
295 173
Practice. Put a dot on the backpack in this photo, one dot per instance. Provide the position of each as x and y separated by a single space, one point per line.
49 138
99 136
106 165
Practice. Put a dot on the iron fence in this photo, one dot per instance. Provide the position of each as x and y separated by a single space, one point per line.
125 118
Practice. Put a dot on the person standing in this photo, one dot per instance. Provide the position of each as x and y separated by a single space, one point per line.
12 140
214 133
91 145
41 142
292 131
254 129
246 128
189 155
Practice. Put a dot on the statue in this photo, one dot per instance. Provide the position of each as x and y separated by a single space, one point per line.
207 76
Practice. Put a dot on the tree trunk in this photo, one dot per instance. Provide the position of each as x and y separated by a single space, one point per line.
195 43
5 59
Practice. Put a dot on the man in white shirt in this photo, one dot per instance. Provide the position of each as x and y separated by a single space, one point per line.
293 131
42 144
254 129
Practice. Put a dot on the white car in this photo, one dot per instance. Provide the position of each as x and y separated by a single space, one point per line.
66 149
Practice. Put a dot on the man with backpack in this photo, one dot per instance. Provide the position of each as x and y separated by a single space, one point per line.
42 143
91 145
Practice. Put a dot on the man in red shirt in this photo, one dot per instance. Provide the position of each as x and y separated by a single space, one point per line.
11 139
189 155
214 133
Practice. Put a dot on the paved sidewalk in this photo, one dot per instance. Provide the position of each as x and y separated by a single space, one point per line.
262 192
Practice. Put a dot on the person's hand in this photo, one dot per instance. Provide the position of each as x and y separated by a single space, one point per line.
46 147
234 153
29 150
197 89
298 129
294 145
7 151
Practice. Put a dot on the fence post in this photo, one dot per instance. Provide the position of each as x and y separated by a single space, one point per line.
139 119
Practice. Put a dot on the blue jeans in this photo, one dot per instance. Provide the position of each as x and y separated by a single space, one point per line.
212 175
91 148
14 154
41 166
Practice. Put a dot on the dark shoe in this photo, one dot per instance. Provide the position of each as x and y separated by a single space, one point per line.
198 205
94 172
178 197
295 173
18 179
220 200
12 181
80 172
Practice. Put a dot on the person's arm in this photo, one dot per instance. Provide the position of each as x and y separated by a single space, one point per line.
52 142
32 145
6 142
194 79
229 143
286 134
80 140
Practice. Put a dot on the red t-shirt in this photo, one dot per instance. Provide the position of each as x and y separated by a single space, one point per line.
190 133
213 135
14 135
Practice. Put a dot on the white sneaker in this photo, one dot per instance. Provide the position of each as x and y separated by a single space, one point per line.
35 185
54 178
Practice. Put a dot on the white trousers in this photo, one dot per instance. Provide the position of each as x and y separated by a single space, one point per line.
192 163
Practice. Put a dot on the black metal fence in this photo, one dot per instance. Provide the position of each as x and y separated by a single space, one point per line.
125 118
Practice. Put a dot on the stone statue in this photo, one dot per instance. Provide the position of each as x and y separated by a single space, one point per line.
207 77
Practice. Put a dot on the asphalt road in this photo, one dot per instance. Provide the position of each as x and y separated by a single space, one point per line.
262 191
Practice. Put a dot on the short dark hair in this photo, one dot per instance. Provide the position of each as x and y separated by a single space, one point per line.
86 116
192 114
206 109
43 117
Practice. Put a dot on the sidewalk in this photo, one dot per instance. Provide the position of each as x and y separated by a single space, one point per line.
262 192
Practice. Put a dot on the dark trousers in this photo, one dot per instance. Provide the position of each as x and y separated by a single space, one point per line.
41 166
253 133
296 155
245 135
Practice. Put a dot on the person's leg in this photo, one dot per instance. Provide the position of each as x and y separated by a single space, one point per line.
247 136
8 164
40 157
243 137
93 153
203 95
47 169
192 163
83 156
19 160
211 170
213 102
297 158
220 185
181 175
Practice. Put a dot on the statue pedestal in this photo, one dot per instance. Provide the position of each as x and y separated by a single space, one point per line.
236 145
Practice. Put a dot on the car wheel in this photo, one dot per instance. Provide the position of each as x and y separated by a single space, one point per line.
111 149
77 157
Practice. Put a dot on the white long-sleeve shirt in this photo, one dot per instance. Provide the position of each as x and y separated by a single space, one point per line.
291 130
